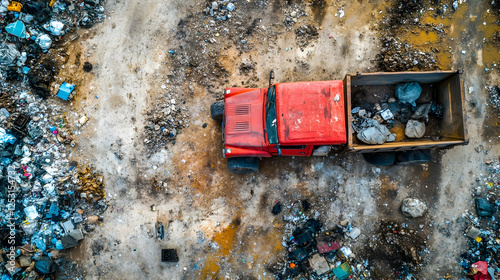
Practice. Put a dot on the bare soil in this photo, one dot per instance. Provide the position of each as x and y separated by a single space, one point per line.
221 224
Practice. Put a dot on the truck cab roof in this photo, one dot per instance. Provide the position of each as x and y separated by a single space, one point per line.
311 113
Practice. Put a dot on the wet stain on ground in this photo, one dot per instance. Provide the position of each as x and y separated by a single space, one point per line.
318 8
225 241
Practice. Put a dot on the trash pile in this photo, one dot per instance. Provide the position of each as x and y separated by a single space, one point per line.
315 252
494 99
483 255
48 201
164 122
293 12
399 56
372 124
32 29
220 10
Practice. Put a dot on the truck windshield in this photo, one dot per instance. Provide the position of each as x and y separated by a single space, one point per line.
272 131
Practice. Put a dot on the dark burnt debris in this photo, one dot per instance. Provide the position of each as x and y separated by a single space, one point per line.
314 251
49 201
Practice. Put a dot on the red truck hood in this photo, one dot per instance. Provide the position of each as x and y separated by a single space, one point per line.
311 113
244 119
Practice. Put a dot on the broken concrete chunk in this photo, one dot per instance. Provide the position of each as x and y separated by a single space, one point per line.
93 219
413 207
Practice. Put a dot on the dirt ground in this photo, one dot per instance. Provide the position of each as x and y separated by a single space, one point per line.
221 224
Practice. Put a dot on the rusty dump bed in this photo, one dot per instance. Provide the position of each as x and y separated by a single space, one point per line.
447 89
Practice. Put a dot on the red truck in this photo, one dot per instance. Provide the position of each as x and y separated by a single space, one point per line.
307 118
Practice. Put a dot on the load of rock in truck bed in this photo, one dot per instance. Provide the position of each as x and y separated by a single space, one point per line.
407 111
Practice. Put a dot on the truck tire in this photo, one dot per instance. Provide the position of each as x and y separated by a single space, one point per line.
217 110
243 165
380 159
415 157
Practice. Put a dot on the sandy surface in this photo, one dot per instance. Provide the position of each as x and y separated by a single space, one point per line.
215 219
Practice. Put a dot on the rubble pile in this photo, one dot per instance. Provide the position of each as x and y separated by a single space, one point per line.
163 124
482 229
316 252
396 55
373 125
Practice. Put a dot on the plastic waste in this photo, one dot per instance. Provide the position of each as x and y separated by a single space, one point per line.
485 208
415 129
8 54
17 29
230 7
408 92
55 27
371 132
31 212
22 59
65 90
39 242
277 208
44 41
45 266
3 114
6 138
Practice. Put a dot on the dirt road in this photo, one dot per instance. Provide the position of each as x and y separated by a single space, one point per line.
220 223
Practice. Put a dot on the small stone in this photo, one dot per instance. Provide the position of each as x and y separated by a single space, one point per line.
94 219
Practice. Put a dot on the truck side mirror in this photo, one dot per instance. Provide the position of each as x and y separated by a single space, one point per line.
271 77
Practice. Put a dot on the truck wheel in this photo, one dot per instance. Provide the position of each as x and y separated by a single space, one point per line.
243 165
217 110
415 157
380 159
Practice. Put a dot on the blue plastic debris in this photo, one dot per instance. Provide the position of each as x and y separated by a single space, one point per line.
6 138
26 70
59 245
53 211
408 92
17 29
65 90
